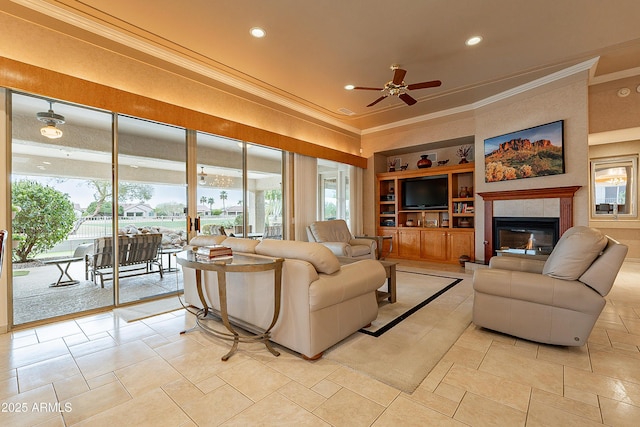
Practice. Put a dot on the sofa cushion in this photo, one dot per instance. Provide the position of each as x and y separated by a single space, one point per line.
331 231
322 259
238 244
574 253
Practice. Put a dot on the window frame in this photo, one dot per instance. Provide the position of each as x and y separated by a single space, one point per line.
600 164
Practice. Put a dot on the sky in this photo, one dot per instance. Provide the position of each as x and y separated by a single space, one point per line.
79 192
552 132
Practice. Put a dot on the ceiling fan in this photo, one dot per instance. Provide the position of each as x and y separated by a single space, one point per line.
397 87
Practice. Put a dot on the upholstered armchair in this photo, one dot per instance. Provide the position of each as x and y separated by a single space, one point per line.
335 235
556 301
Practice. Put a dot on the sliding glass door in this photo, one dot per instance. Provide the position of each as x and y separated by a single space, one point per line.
151 202
101 200
61 198
220 195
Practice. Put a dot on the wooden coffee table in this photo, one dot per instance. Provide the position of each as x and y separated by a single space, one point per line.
390 270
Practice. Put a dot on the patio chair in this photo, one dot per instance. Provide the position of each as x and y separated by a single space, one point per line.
272 232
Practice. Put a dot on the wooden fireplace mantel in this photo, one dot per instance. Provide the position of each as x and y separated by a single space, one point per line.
565 194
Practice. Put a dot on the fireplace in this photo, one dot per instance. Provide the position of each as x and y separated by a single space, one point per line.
564 194
527 235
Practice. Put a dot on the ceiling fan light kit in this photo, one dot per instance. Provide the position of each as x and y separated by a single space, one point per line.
397 87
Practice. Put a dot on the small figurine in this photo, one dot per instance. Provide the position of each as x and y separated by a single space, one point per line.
443 162
404 167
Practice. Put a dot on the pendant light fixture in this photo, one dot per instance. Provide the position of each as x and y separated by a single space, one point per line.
51 119
202 180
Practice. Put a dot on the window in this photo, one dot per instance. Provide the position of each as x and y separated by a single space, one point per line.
333 190
613 187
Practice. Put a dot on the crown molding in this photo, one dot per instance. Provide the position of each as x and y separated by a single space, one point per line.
559 75
618 135
631 72
167 55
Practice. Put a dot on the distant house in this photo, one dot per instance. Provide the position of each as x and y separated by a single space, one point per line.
234 210
203 210
137 210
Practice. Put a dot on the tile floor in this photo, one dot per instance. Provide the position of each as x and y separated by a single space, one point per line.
98 370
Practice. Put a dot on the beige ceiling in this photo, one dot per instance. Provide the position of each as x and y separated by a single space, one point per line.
314 48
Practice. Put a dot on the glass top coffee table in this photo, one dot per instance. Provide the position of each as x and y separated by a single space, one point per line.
236 263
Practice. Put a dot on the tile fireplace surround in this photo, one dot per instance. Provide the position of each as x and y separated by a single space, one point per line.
564 210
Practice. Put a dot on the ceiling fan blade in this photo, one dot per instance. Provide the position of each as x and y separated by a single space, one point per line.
398 76
424 85
367 88
377 100
407 99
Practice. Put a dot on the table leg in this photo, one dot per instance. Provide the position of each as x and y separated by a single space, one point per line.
391 283
224 314
63 273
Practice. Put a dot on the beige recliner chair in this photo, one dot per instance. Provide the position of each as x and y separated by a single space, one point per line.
335 235
556 301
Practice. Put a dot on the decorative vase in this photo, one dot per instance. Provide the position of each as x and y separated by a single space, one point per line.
464 192
463 160
424 162
409 223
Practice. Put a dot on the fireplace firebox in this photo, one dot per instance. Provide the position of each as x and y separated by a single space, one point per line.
527 235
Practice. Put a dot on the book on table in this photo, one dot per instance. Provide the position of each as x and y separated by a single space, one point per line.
215 251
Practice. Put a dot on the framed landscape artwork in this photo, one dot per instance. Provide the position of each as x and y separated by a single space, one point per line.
528 153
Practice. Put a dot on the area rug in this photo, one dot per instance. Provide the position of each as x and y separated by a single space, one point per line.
148 309
405 353
416 291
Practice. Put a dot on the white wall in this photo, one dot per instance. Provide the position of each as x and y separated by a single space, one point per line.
565 99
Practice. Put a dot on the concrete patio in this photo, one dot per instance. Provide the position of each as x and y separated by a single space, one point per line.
34 299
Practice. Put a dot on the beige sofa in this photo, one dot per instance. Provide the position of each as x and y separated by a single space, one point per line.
553 302
335 235
322 301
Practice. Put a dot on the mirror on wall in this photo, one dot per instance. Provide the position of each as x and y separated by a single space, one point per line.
613 187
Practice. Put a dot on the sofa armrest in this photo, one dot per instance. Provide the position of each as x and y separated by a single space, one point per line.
338 248
517 264
353 280
366 242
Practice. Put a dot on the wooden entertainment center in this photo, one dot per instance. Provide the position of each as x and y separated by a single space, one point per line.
442 233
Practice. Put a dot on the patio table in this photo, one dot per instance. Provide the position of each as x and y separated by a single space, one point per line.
63 272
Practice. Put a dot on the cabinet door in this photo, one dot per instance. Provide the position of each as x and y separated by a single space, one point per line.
409 243
433 245
461 243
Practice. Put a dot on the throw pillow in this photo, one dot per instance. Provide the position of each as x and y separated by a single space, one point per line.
574 253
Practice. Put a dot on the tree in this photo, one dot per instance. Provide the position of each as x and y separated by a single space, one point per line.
210 202
46 217
169 209
103 194
223 197
203 200
273 204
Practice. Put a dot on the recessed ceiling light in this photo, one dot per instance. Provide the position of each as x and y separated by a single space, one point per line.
349 87
258 32
472 41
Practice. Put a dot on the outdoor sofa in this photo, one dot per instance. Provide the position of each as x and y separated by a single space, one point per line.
138 254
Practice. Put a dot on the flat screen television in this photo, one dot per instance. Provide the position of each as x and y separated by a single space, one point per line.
426 193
